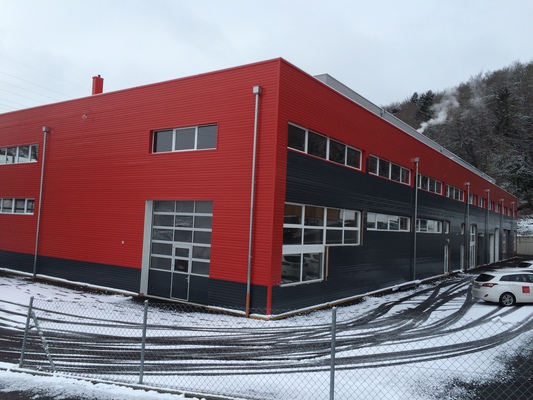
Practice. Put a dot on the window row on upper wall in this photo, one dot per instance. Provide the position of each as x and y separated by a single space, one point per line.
324 147
321 146
17 206
183 139
386 169
18 154
429 184
454 193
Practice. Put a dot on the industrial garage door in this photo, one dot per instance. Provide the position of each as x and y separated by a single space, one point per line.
180 247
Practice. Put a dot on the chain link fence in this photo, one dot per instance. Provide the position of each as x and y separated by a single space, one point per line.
393 351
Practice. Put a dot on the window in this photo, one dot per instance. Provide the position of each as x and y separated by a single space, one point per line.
446 227
305 224
322 146
386 169
20 154
17 206
454 193
181 236
385 222
428 226
317 145
307 230
182 139
480 202
429 184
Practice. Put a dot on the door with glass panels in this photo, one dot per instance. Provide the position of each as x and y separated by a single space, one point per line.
180 247
181 271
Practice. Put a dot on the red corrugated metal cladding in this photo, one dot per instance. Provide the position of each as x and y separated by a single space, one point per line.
100 171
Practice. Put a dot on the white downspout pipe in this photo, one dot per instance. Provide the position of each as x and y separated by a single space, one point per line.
257 91
45 131
415 217
467 230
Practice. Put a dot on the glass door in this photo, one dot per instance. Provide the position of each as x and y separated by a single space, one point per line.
181 271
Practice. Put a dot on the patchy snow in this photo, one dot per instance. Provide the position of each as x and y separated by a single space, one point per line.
458 344
58 387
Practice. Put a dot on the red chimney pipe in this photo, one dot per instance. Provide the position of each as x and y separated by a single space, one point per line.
98 84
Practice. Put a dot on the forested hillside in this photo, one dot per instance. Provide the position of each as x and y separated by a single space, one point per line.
487 121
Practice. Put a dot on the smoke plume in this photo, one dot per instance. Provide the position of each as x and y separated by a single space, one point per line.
441 109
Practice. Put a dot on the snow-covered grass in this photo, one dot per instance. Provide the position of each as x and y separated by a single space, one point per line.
387 346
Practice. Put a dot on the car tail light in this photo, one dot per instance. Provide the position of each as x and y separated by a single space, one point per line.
489 284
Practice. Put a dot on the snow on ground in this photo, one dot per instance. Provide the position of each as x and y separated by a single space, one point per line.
61 388
20 290
427 375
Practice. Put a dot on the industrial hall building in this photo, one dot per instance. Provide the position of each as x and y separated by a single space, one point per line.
259 189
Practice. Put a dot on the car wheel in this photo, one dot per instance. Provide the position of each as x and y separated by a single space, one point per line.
507 299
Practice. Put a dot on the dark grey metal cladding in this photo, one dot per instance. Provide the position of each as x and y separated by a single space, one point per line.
384 258
232 295
110 276
16 261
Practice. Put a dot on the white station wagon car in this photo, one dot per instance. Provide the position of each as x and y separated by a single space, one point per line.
504 287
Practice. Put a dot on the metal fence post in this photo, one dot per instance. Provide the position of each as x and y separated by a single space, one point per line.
332 370
28 318
143 345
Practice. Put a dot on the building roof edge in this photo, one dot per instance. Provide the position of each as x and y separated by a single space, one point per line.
391 119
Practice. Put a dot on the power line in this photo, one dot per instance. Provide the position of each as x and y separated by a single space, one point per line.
14 102
42 72
35 84
31 91
21 95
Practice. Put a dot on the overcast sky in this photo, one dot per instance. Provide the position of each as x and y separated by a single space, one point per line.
383 49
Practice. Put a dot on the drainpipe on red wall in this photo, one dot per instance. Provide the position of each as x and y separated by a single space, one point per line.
257 91
45 130
467 239
416 160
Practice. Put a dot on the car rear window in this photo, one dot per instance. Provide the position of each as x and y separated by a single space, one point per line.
524 265
484 278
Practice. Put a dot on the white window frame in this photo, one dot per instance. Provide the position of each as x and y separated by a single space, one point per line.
300 225
428 226
429 184
16 157
175 132
390 220
454 193
404 176
27 210
358 152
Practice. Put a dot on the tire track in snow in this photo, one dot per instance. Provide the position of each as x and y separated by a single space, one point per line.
416 327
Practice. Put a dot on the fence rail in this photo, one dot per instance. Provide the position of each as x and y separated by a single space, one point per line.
433 345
